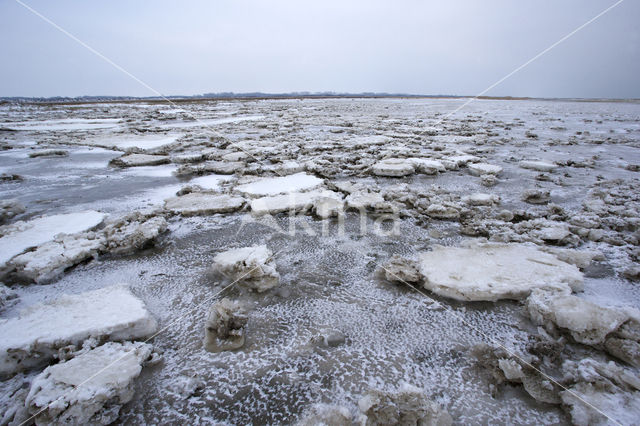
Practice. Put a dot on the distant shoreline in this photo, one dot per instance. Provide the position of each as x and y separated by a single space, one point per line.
269 96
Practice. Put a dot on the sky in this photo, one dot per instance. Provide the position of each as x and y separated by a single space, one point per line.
458 47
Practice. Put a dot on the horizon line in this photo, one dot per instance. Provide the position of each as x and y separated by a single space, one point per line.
285 95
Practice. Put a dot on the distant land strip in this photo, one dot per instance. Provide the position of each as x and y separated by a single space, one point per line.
265 96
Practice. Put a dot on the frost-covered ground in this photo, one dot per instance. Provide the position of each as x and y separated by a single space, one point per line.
334 189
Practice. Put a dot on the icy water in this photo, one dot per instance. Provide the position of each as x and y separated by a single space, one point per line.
329 278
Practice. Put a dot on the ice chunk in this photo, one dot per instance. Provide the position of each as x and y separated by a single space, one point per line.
399 269
457 161
580 258
536 196
133 232
289 167
408 406
326 415
480 199
120 236
292 202
225 326
325 207
49 153
540 166
211 182
8 297
90 388
166 170
362 200
34 338
427 165
552 232
134 160
197 203
500 367
252 267
587 322
494 271
10 209
393 167
190 157
21 236
623 407
141 142
479 169
219 167
280 185
444 212
52 258
627 350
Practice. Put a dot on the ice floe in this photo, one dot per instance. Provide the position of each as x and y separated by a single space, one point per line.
393 167
35 337
280 185
296 202
136 160
494 271
478 169
540 166
197 203
20 236
90 388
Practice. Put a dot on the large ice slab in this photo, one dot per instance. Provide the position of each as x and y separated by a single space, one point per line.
21 236
478 169
540 166
34 338
393 167
119 236
90 388
280 185
52 258
211 182
494 271
197 203
427 165
292 202
136 160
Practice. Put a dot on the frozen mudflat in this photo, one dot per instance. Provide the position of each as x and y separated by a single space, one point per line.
346 261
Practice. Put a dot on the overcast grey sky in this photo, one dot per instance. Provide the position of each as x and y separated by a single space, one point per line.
410 46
